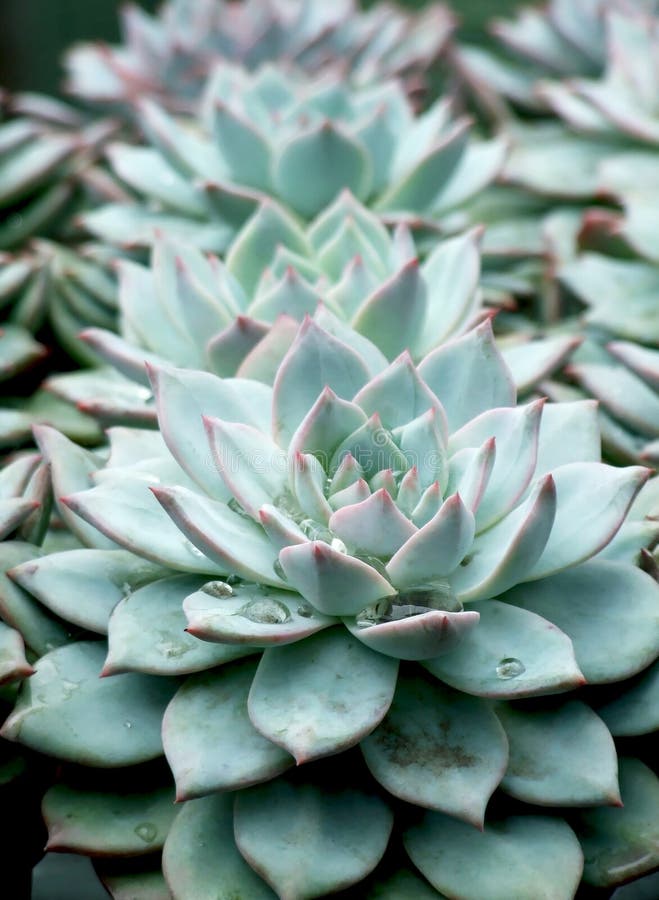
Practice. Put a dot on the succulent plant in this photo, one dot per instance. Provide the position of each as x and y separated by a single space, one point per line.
288 550
542 50
168 56
256 133
240 317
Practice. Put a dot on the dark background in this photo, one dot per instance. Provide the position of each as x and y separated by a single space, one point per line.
34 33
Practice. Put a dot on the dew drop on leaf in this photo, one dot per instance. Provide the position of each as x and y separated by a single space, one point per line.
265 612
509 667
147 831
217 589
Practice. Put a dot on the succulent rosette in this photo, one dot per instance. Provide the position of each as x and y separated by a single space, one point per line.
200 178
239 316
168 56
366 554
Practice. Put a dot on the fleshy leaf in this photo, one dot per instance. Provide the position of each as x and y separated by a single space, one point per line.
67 711
124 509
620 844
469 376
83 586
501 556
314 166
107 824
525 857
331 581
13 664
250 614
515 431
374 527
393 315
184 397
592 604
436 549
636 710
250 463
200 853
210 742
315 361
306 841
301 699
592 502
422 635
231 541
438 749
156 611
541 741
512 653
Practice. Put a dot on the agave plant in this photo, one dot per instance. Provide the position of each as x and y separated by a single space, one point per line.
368 554
168 56
257 132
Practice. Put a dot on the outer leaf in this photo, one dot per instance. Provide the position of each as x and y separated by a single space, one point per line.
210 742
620 844
306 841
512 654
302 700
107 824
540 743
147 632
13 664
68 712
251 464
592 502
525 857
83 586
200 854
40 630
183 397
124 510
438 749
636 710
231 541
594 604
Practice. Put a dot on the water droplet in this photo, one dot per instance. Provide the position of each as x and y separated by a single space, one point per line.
279 570
128 724
265 612
305 610
433 595
147 831
126 590
338 545
219 589
509 667
237 508
172 649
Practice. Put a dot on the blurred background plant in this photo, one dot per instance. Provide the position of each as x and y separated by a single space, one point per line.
35 33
